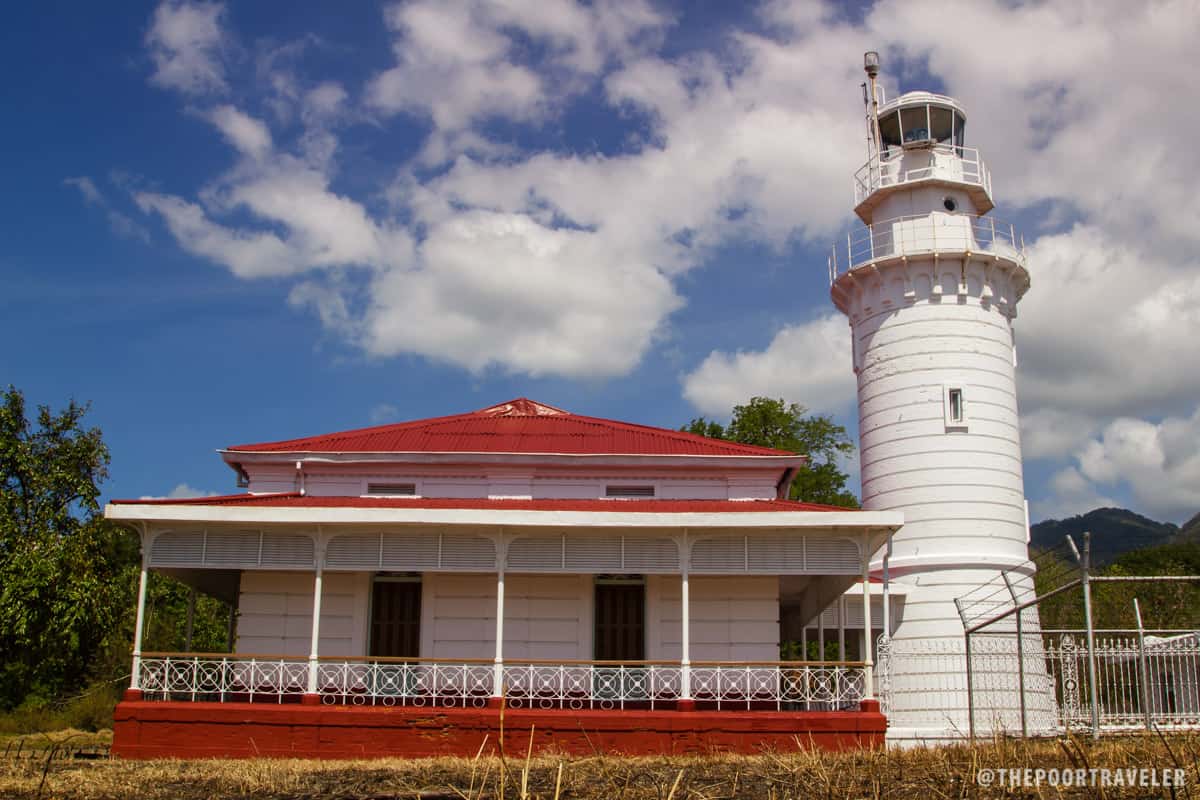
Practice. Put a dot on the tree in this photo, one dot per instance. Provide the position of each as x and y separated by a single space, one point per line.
61 564
786 426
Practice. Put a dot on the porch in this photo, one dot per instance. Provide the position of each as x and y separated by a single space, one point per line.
600 616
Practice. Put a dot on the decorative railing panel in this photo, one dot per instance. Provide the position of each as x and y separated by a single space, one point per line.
785 686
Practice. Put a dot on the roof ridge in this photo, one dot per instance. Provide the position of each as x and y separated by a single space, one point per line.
529 412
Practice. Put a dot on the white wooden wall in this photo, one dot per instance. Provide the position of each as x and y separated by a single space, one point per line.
275 613
732 618
326 481
546 616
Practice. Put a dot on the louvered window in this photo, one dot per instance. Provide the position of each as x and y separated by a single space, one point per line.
409 551
833 556
177 548
452 552
628 491
391 489
650 556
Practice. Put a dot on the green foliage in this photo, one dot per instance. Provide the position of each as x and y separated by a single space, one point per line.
785 426
68 578
60 562
1165 605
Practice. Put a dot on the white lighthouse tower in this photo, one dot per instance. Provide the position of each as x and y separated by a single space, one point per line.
930 286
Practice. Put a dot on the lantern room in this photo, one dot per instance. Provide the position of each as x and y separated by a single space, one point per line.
919 120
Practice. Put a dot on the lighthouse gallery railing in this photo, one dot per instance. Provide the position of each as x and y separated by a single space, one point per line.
921 234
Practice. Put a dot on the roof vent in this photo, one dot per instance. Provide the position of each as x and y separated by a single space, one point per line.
391 489
629 491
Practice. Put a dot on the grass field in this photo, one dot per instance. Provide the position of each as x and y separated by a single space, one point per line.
921 774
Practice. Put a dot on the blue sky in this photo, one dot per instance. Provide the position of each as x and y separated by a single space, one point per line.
248 221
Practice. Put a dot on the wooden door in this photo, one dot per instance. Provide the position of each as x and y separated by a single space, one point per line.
620 632
396 618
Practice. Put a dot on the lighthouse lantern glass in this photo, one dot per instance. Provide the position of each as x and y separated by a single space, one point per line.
915 122
941 124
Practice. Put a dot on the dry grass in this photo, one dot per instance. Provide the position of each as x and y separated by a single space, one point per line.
925 774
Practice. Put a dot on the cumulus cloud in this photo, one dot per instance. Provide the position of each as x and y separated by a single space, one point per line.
249 135
1158 462
806 363
1109 328
457 62
181 491
185 40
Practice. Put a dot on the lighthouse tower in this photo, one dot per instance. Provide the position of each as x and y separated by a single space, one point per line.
930 285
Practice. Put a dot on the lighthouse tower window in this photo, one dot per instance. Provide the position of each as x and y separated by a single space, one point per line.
955 406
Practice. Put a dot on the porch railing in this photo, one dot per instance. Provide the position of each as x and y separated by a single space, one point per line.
575 685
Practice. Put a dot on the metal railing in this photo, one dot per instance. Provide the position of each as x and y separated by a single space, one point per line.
779 686
923 234
946 162
1141 682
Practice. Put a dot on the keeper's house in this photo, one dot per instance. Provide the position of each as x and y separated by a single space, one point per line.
402 589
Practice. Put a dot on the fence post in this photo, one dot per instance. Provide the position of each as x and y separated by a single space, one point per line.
1085 568
970 693
1020 655
1144 671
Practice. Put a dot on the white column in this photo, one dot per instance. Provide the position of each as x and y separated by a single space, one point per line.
685 649
887 600
820 629
868 670
191 619
314 650
841 607
135 679
498 667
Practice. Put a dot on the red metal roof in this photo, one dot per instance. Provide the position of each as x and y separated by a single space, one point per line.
295 500
518 426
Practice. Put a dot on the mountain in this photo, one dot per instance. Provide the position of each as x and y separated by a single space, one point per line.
1191 529
1114 531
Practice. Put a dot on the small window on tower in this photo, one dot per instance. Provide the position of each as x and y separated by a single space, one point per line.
955 402
956 406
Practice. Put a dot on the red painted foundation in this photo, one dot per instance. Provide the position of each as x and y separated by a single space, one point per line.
144 729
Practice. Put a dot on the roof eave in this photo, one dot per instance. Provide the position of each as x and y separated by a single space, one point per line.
830 520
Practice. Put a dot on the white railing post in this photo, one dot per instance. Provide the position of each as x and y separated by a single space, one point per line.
685 661
314 652
135 678
498 665
868 663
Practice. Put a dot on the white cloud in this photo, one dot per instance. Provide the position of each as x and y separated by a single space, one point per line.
1070 494
250 136
119 222
181 491
383 412
87 187
807 363
185 42
459 62
1109 328
1158 462
502 289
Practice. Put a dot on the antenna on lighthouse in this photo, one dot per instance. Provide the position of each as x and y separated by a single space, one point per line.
871 65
